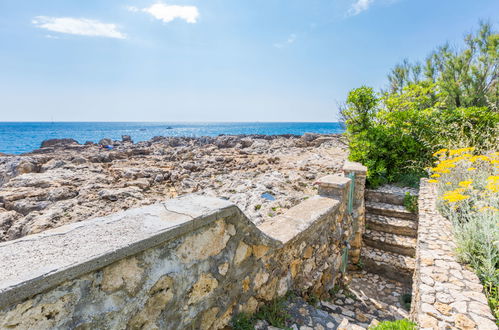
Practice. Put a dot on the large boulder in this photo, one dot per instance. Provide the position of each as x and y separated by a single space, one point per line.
309 136
58 143
126 138
106 142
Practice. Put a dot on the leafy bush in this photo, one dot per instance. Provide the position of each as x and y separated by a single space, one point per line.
396 139
468 187
395 325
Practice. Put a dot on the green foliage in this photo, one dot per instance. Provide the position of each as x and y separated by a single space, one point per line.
465 77
313 299
257 207
243 322
395 325
273 312
452 102
335 289
411 202
406 300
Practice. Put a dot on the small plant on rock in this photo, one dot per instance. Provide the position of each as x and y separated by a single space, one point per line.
395 325
243 321
406 300
411 202
274 312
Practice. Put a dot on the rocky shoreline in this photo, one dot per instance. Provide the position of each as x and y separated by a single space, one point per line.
65 182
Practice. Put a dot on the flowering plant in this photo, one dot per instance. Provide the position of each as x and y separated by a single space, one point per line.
468 189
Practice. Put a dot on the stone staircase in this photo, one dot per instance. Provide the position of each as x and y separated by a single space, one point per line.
375 293
390 238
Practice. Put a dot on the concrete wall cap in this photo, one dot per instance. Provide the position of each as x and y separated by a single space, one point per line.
357 168
299 218
334 181
34 263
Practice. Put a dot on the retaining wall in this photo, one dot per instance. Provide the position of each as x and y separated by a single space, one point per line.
446 294
191 262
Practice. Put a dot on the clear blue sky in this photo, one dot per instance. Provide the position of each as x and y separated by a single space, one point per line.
211 60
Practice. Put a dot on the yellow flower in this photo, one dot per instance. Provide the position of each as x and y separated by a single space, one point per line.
486 208
448 183
471 169
452 197
460 151
492 183
481 157
466 183
441 151
433 181
441 170
436 175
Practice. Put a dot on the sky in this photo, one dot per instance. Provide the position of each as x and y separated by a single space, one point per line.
212 60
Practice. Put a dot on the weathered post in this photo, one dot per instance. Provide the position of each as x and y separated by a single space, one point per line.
358 172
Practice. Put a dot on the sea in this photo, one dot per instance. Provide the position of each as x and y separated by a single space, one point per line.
21 137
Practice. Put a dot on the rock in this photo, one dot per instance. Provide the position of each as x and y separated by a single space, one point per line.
58 143
25 206
126 138
51 164
64 185
308 137
202 288
116 194
141 183
79 160
27 167
106 142
7 219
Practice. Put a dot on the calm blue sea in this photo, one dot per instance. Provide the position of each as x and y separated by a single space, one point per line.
19 137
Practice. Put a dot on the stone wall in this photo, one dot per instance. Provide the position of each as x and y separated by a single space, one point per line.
446 294
191 262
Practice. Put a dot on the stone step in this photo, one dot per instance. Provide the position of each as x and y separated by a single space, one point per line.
390 210
389 194
391 265
391 225
400 244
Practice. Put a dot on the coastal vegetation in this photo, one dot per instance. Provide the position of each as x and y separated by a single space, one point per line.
468 186
443 112
451 101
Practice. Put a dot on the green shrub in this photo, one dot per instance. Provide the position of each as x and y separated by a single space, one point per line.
397 137
395 325
411 202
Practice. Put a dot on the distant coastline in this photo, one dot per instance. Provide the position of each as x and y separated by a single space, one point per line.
22 137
